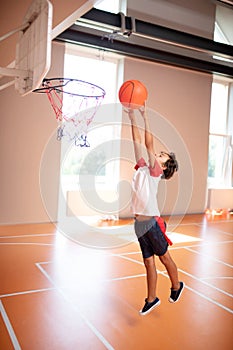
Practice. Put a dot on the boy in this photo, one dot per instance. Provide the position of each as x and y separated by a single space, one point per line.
149 226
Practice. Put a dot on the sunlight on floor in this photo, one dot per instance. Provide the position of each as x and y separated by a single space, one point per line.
176 237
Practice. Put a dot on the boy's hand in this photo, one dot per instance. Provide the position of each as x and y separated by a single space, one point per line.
130 113
142 110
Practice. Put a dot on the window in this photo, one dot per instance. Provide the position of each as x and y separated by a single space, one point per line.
221 116
80 165
220 139
110 5
219 36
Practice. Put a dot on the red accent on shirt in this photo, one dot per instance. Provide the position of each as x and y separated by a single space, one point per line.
155 171
141 163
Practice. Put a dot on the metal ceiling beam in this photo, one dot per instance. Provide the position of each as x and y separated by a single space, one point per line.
133 37
227 3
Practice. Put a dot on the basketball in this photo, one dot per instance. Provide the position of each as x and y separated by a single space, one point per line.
132 94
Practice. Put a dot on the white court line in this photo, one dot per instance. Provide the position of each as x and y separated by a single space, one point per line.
128 253
207 298
196 278
129 259
209 243
206 283
45 262
124 278
131 277
88 323
9 327
214 222
192 276
179 247
208 256
26 292
27 243
218 230
217 277
31 235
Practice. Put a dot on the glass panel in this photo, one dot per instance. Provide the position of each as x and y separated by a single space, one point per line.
218 112
109 6
217 158
216 147
93 160
93 70
218 35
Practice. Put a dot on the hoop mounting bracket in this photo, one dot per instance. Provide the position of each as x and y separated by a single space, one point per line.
124 31
14 72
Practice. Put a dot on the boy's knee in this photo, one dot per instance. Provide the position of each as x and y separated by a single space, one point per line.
149 261
164 258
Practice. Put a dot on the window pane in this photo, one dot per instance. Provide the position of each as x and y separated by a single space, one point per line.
218 113
96 71
109 6
85 162
220 161
216 152
218 35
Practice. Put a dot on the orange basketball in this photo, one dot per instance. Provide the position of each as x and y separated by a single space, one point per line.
132 94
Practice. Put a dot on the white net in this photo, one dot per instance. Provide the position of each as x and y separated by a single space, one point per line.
75 103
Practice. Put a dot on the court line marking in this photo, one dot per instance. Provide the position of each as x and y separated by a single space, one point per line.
26 292
7 322
217 277
125 277
30 235
120 255
53 244
218 229
9 327
206 283
196 278
201 224
88 323
200 279
26 243
163 273
124 256
208 256
181 247
204 296
198 223
188 274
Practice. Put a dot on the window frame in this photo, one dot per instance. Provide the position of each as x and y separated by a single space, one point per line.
223 180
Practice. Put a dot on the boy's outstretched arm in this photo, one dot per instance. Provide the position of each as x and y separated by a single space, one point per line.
149 139
136 135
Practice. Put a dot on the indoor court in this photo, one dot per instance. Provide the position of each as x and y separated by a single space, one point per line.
72 275
57 294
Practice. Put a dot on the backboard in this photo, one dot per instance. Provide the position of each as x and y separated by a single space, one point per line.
32 61
33 51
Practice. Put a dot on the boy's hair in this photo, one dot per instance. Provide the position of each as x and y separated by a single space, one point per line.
171 166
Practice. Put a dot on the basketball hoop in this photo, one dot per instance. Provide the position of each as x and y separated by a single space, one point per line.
75 103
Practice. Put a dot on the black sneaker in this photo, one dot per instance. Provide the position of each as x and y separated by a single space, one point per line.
148 307
175 294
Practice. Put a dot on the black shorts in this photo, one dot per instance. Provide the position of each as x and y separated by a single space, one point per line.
153 242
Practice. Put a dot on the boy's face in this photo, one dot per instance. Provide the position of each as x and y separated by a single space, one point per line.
161 158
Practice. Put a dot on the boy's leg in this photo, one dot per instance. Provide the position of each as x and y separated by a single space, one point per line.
171 268
151 276
177 286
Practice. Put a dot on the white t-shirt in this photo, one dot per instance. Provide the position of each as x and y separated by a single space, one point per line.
145 187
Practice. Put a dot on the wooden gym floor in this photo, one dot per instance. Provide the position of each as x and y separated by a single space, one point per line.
56 294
